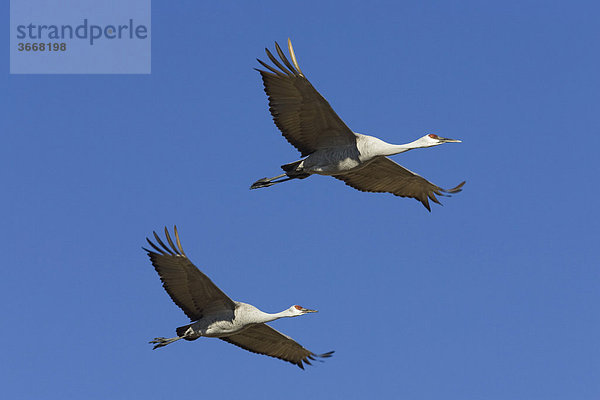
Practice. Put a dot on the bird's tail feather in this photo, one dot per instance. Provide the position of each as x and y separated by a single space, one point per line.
291 166
290 170
182 329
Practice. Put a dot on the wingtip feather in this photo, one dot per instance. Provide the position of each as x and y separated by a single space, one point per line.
277 63
170 241
293 56
178 241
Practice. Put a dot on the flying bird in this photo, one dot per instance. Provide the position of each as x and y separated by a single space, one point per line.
329 147
214 314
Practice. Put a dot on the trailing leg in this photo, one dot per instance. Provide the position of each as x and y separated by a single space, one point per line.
266 182
292 170
161 341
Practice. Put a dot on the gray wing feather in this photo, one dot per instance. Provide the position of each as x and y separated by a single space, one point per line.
302 115
187 286
262 339
384 175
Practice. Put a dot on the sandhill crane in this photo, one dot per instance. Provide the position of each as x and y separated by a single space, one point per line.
214 314
329 147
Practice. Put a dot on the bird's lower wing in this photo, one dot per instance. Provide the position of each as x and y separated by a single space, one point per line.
262 339
384 175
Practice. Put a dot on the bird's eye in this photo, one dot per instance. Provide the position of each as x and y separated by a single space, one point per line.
298 307
431 135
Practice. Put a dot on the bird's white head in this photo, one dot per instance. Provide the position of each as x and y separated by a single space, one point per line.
434 140
299 310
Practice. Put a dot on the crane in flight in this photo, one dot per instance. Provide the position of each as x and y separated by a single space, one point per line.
329 147
214 314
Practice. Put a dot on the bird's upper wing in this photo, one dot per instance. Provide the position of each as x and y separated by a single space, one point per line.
302 115
263 339
188 287
384 175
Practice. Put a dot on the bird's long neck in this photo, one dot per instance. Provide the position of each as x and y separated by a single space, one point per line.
266 317
391 149
378 147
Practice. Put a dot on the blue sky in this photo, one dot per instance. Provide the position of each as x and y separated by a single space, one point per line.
492 296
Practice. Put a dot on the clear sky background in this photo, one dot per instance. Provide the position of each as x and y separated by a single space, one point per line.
493 296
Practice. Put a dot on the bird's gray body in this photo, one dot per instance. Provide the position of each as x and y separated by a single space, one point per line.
343 159
331 161
222 323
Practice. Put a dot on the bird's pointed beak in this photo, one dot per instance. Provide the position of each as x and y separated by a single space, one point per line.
306 310
446 140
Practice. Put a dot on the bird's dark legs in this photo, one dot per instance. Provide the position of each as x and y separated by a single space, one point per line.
161 341
266 182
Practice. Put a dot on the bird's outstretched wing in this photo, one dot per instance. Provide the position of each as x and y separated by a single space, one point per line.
302 115
188 287
262 339
384 175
